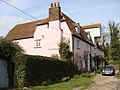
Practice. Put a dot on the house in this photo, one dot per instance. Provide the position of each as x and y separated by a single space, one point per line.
41 37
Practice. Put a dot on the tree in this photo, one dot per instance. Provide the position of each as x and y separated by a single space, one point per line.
105 46
114 40
8 49
111 42
64 50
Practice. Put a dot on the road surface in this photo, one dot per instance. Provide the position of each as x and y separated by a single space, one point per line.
105 83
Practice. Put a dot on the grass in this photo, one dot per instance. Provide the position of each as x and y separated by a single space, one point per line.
118 76
78 81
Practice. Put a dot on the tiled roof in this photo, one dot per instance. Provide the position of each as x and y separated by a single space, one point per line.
92 26
26 30
82 35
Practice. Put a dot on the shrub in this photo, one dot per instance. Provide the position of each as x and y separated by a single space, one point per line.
83 70
100 67
38 70
64 50
98 71
76 76
65 79
87 74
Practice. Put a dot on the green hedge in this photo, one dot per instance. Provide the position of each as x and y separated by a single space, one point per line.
38 70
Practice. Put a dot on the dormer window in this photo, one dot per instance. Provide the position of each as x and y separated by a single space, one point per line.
88 36
77 29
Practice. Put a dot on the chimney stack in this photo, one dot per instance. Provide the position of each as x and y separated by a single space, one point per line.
54 11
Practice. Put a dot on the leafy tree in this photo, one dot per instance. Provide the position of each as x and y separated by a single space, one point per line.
8 49
111 41
114 42
106 49
64 50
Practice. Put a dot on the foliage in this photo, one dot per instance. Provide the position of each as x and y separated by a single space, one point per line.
106 49
87 75
97 59
111 42
64 50
7 52
98 71
112 50
115 42
8 49
100 67
38 70
73 83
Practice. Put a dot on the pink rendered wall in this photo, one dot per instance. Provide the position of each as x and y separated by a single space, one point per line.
49 36
49 41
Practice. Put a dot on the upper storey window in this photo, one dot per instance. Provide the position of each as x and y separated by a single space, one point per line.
77 29
37 43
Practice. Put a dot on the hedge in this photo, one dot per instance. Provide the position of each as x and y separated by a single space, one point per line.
38 70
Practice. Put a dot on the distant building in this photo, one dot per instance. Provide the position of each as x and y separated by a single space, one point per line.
41 37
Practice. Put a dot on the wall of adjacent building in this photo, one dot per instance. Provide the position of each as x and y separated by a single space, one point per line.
80 52
94 32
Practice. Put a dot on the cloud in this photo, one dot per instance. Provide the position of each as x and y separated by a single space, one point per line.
8 22
21 3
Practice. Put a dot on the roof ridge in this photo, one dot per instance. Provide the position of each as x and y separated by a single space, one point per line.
97 25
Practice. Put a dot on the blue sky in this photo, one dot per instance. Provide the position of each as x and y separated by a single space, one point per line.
83 11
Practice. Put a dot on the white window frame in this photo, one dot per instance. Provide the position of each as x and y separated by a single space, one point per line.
38 43
78 44
77 29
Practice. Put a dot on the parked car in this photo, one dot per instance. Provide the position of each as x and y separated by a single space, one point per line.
108 70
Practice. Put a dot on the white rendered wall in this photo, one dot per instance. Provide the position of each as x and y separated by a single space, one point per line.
94 32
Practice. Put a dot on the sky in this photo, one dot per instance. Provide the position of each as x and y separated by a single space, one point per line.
83 11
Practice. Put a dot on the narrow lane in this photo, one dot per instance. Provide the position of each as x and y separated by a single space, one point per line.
105 83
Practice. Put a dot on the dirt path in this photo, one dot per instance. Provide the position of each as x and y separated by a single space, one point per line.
105 83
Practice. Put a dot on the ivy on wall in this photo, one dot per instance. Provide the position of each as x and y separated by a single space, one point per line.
7 52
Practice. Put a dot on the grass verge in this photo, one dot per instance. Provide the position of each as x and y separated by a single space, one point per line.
78 81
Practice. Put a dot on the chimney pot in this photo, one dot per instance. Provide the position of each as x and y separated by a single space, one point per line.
54 4
54 11
58 4
51 4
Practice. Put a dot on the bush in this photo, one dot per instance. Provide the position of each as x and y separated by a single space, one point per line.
65 79
76 76
87 74
83 70
100 67
98 71
38 70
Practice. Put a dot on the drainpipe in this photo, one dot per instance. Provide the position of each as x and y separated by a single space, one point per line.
73 47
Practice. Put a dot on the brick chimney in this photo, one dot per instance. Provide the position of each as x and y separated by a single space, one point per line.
54 11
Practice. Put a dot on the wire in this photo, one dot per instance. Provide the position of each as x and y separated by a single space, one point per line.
27 14
19 9
58 30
